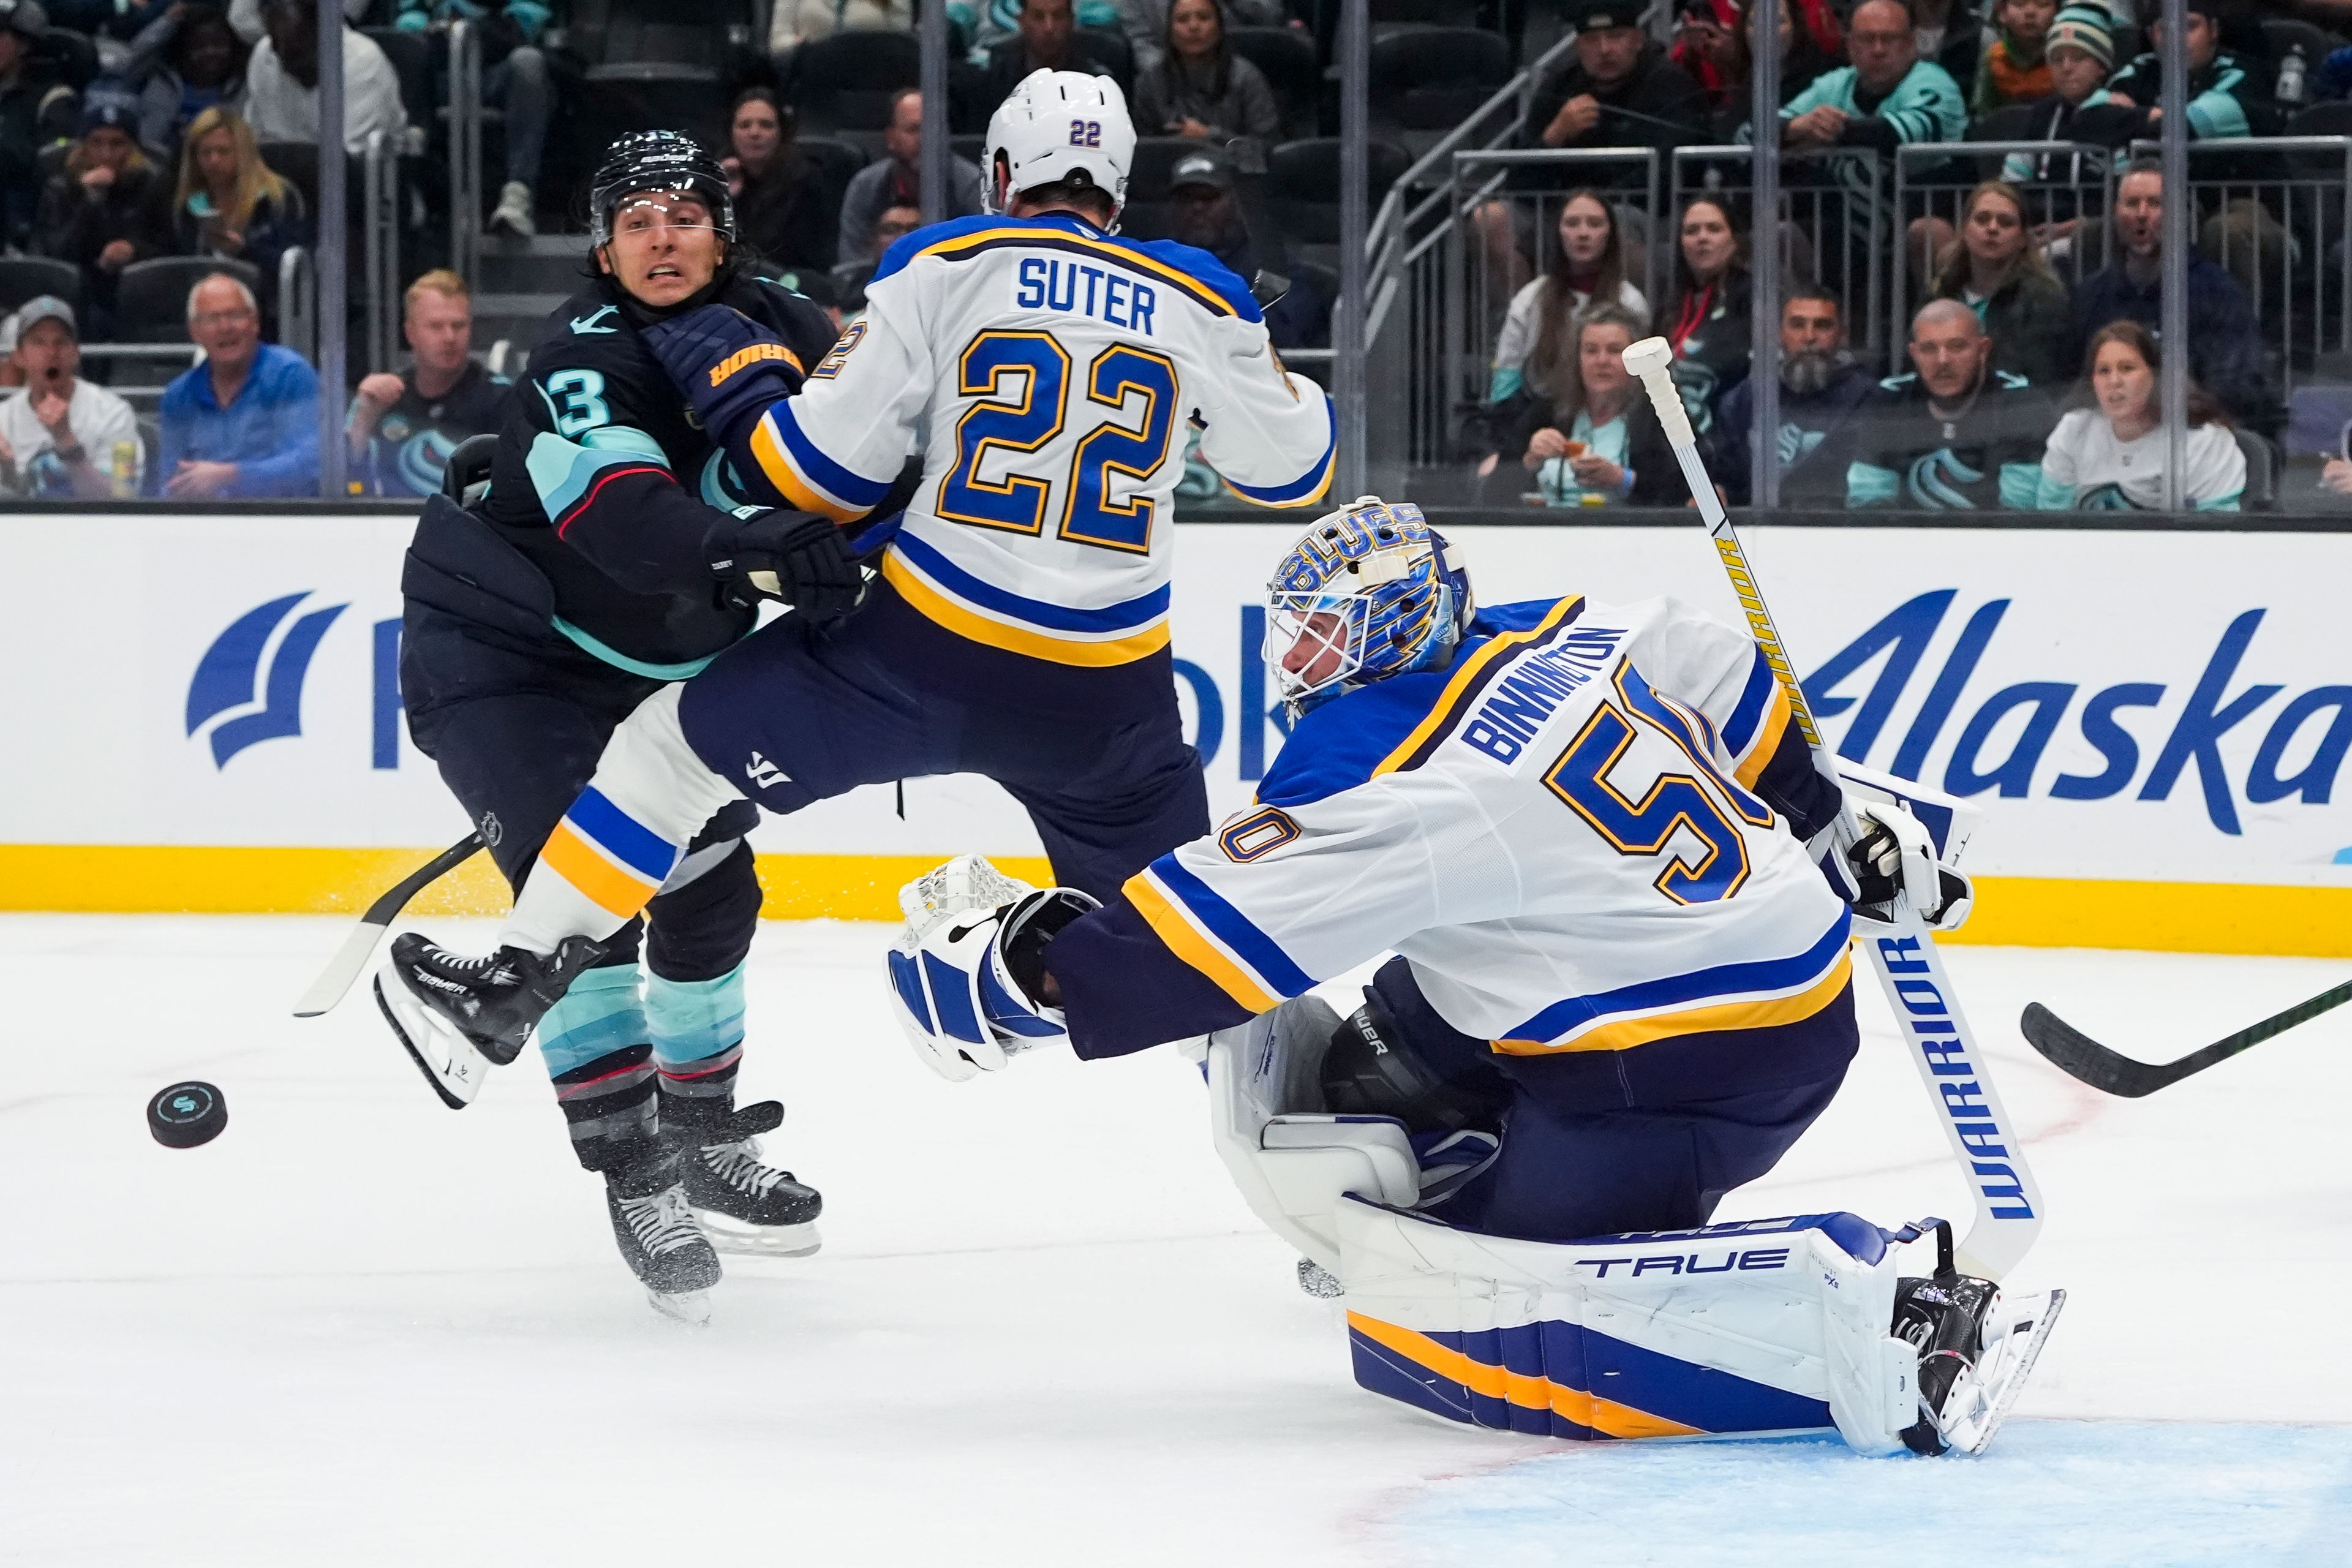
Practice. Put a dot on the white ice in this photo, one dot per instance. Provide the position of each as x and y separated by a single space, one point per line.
360 1329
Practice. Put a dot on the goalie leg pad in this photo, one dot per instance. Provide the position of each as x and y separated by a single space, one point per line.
1766 1326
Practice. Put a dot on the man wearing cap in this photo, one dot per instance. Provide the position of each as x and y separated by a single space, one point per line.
36 109
106 208
1621 91
63 437
1203 212
245 421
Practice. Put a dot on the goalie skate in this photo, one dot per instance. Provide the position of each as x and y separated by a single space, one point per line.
1981 1398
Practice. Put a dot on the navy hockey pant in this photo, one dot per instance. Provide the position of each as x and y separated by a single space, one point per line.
791 716
516 728
1569 1168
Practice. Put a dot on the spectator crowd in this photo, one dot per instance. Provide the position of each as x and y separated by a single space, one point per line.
2024 373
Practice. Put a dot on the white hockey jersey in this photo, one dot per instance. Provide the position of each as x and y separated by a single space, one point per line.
1558 834
2086 469
1046 371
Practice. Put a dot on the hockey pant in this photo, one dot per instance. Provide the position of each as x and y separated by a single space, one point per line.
516 729
789 717
1567 1167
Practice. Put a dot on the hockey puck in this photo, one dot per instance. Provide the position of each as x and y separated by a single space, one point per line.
187 1114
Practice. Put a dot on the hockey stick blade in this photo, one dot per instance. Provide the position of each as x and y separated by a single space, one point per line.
351 958
2075 1053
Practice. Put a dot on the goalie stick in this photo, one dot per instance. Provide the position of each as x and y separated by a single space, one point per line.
2074 1052
1926 1005
359 946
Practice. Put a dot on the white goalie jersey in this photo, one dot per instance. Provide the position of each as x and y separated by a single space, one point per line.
1047 372
1559 833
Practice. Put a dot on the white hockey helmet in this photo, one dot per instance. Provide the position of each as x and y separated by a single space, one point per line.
1057 126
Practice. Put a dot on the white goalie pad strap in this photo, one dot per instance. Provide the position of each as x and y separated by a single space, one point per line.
1293 1165
1770 1325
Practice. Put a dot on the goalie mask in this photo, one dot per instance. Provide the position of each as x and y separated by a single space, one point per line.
1368 592
1059 127
656 167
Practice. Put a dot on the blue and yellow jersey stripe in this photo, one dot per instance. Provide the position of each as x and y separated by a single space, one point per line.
1756 995
1212 936
984 613
1308 488
803 475
611 859
1758 721
1471 676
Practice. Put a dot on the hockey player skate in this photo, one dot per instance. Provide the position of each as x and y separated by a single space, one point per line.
653 1221
460 1016
745 1207
1976 1349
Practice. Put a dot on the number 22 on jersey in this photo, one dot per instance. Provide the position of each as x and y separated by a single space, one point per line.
1024 396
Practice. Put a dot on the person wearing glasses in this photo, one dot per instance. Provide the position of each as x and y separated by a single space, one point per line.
245 422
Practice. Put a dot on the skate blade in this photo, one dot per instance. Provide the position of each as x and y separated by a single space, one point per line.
727 1234
691 1308
449 1061
1981 1401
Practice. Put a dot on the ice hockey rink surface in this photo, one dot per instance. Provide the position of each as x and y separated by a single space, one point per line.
360 1329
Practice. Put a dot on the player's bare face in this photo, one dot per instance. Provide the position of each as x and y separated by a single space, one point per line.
663 248
1321 647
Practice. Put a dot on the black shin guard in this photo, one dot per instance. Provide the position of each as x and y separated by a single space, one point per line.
1372 1069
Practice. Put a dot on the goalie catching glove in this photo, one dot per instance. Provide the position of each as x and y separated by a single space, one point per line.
1877 853
796 558
967 976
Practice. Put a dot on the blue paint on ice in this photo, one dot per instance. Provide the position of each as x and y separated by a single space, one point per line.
2084 1494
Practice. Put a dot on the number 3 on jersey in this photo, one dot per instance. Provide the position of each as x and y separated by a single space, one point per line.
1022 399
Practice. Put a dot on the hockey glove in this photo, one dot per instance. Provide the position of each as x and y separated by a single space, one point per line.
1883 854
730 367
967 971
796 558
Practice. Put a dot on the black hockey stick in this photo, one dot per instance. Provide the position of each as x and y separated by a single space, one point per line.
359 946
2075 1052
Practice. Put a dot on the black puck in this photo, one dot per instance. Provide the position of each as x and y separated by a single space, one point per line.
187 1114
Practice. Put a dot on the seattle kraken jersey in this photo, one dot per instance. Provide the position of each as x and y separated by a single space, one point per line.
413 439
1566 834
603 481
2086 469
1047 373
1899 451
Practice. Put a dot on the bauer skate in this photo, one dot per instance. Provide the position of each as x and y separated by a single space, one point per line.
458 1016
1976 1349
745 1207
655 1227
